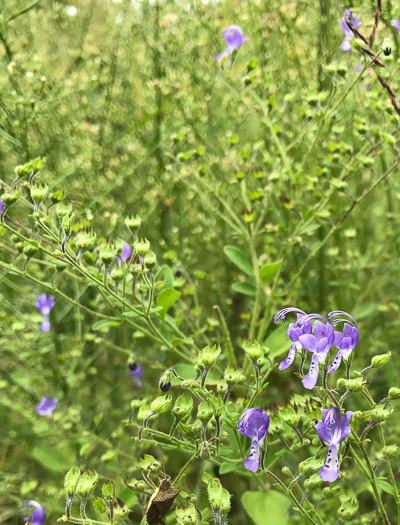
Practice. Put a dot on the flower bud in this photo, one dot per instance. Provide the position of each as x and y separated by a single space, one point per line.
394 393
150 260
287 471
214 491
204 412
142 247
310 466
71 480
57 197
218 406
183 407
253 350
341 385
391 451
39 192
137 485
205 451
10 197
233 377
379 360
221 387
378 414
136 403
107 254
37 164
161 404
133 223
165 381
118 274
24 170
313 482
210 355
87 484
144 411
85 240
108 491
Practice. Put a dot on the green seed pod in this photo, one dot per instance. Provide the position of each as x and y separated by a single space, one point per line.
87 484
209 355
71 480
221 387
161 404
214 492
183 407
67 223
204 412
378 414
150 260
39 192
57 197
118 275
332 490
10 197
233 377
341 385
253 350
187 516
348 509
391 451
30 250
354 385
133 223
394 393
85 240
37 164
63 210
313 482
107 254
142 247
310 466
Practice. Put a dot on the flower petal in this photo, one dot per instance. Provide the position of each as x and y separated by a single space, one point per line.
309 342
330 471
252 463
290 358
395 24
336 363
310 380
324 432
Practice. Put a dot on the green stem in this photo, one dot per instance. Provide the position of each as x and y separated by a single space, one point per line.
226 334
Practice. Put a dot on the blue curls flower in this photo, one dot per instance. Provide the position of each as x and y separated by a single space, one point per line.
38 515
234 39
254 424
348 33
45 304
333 429
344 341
294 332
46 406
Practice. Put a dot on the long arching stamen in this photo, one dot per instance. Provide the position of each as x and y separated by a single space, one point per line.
335 313
308 317
282 313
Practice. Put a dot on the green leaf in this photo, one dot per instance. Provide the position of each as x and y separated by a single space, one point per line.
385 486
245 288
51 459
278 341
239 259
272 504
168 275
104 325
269 270
228 466
166 299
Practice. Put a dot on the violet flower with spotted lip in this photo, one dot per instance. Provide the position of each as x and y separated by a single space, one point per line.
333 430
319 344
348 33
295 330
345 342
234 38
254 424
46 406
38 515
45 304
136 372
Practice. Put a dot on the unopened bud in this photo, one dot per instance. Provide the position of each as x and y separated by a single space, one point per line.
39 192
253 350
354 385
133 223
165 381
161 404
332 490
71 480
37 164
85 240
10 197
107 254
87 484
57 197
204 412
150 260
67 223
348 509
30 249
379 360
394 393
142 247
313 482
214 491
183 407
310 466
391 451
233 377
210 355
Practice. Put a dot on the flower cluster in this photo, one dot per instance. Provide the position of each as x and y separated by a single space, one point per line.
320 342
348 33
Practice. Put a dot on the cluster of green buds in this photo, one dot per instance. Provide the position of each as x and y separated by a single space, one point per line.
220 501
207 358
84 241
81 485
29 169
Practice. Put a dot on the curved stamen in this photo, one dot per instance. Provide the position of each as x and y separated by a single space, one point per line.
335 313
282 313
308 317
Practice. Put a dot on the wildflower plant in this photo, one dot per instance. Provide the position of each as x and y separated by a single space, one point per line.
179 205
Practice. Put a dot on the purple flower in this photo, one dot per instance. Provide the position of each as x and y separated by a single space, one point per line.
234 39
295 330
319 344
395 24
333 430
1 206
348 33
136 372
253 424
46 406
38 515
45 304
345 342
126 253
